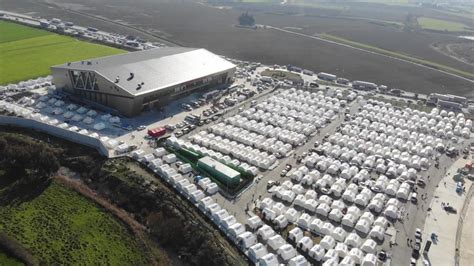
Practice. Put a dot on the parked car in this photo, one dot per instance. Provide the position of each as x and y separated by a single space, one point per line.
142 127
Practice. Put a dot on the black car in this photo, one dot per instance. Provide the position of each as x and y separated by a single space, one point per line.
382 256
450 209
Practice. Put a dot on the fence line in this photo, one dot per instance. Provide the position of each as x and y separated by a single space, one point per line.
56 131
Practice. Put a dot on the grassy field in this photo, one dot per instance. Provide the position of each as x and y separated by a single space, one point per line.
438 24
60 227
397 55
28 52
6 260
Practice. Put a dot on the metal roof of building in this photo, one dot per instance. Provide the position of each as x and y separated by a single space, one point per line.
157 68
219 167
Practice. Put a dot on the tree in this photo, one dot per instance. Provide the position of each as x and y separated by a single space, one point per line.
246 19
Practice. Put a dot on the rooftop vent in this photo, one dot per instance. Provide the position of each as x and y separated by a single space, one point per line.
131 76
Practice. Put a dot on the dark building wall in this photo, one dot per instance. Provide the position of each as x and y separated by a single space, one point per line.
108 93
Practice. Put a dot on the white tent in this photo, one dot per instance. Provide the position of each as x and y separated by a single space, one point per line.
88 120
391 212
265 232
114 119
286 252
279 208
353 240
257 251
310 194
377 232
247 239
327 228
299 200
331 255
298 261
369 246
339 234
228 221
323 209
269 214
316 226
381 221
185 168
341 250
254 223
220 215
347 261
369 260
295 234
213 208
305 244
304 221
310 205
328 242
269 259
71 107
66 115
349 220
197 195
317 252
357 255
205 202
336 215
362 226
368 216
236 229
81 110
104 117
291 215
266 203
170 158
122 148
280 222
275 242
99 126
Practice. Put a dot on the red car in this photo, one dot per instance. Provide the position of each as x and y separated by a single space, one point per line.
157 132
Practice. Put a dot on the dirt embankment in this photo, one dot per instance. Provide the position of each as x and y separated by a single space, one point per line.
461 50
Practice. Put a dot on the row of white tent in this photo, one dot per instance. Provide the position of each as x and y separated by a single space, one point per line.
381 160
270 131
29 84
433 122
248 138
236 150
26 113
351 250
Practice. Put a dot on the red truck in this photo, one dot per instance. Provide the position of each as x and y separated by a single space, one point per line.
157 132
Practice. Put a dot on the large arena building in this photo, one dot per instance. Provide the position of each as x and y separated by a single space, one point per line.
132 82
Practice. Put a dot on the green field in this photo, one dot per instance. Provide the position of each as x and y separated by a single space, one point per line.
6 260
438 24
60 227
27 53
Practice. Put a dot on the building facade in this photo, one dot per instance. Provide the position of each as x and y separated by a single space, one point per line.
133 82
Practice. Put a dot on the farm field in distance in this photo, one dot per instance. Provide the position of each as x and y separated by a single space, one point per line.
29 53
438 24
62 227
213 29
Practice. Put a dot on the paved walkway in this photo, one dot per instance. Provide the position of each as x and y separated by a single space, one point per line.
442 223
466 250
